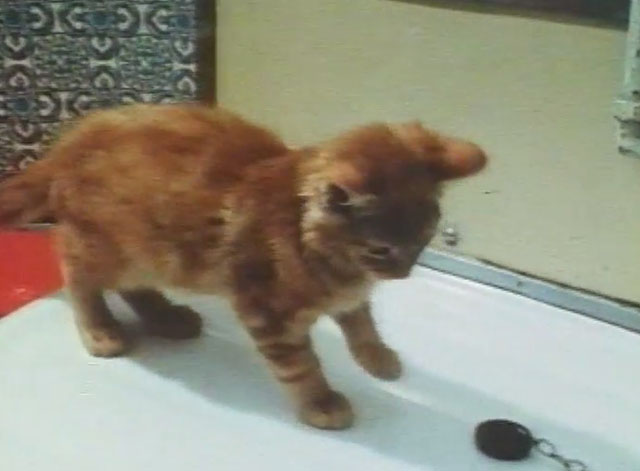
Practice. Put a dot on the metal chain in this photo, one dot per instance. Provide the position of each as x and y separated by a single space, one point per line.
548 449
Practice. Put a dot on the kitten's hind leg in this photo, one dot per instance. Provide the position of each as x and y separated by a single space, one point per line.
99 331
161 317
87 270
366 346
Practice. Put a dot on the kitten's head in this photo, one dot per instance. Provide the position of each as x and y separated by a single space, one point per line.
373 193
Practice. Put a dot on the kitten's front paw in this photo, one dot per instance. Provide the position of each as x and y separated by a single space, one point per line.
379 360
104 341
330 411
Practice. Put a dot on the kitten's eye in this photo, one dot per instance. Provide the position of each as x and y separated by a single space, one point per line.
338 195
379 251
338 199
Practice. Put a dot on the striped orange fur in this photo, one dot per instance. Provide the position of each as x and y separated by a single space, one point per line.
154 196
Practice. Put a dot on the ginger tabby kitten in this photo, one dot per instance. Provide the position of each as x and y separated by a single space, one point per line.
153 196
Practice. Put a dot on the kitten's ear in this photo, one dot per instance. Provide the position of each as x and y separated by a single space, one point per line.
448 157
459 158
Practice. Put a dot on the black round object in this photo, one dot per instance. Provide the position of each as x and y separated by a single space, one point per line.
504 440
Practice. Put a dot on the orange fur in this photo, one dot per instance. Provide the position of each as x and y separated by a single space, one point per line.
148 197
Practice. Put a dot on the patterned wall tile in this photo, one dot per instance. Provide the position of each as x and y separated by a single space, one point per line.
62 58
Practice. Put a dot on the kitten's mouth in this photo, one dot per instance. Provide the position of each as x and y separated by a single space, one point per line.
385 269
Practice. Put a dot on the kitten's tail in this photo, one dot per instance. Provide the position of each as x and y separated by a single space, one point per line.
24 198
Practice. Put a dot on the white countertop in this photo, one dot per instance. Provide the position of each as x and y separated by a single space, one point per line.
471 353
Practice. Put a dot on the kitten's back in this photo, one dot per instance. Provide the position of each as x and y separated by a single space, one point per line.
175 139
143 184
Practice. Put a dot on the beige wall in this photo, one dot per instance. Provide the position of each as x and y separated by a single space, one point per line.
557 200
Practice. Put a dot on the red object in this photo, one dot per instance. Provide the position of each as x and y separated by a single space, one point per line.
29 268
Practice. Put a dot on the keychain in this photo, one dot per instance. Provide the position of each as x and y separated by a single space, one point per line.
510 441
